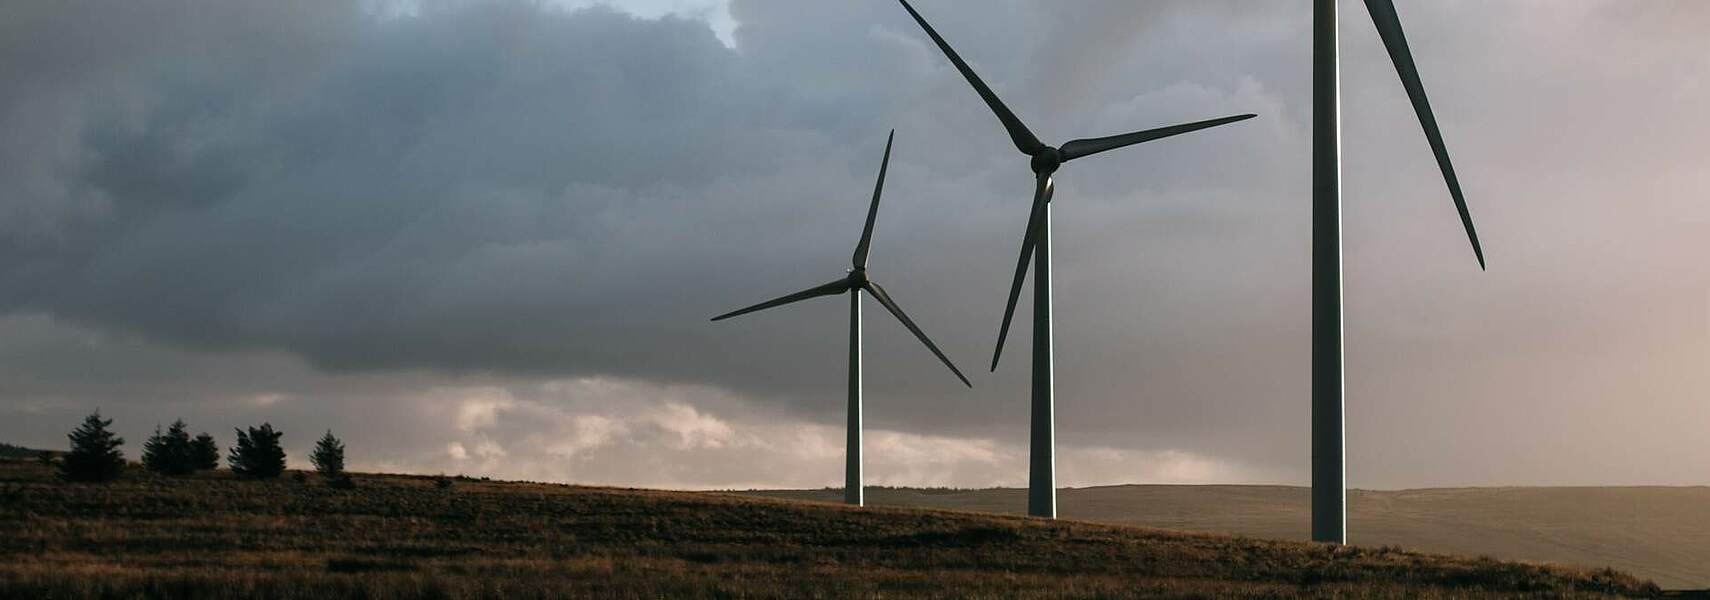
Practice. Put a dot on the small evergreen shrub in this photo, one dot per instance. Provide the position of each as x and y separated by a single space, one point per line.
257 454
204 453
169 453
95 454
329 456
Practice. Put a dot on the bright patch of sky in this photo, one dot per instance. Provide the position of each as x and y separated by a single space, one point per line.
715 12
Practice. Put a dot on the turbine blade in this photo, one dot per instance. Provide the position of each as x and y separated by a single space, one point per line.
873 211
1080 148
891 305
1018 133
835 287
1389 28
1041 195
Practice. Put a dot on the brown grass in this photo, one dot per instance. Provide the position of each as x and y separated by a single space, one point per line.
403 537
1656 533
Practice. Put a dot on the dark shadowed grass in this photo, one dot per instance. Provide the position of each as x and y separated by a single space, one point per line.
1653 532
409 537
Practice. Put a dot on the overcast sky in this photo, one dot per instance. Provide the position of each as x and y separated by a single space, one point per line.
485 237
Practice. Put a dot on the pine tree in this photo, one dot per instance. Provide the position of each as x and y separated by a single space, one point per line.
154 451
329 456
204 454
169 453
95 454
257 453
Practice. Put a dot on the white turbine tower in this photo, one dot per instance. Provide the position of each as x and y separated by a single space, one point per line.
1042 479
854 283
1329 481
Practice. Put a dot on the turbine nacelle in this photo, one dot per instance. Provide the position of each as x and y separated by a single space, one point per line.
1047 160
857 279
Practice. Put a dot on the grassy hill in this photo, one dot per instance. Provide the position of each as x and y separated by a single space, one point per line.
10 452
1658 533
405 536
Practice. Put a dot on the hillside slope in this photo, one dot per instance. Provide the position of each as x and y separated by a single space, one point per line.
1658 533
401 536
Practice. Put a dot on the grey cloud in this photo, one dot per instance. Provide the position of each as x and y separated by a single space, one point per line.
598 430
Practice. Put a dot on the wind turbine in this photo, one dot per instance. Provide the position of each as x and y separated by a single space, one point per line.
1329 483
1042 480
854 283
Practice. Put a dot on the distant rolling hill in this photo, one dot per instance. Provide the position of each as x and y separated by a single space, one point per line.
212 536
10 452
1659 533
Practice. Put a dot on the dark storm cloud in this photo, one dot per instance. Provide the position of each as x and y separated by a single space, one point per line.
483 187
506 196
345 207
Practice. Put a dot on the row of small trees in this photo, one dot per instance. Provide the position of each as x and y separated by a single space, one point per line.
174 453
95 454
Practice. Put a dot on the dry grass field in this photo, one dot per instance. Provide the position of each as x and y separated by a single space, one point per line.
1658 533
405 537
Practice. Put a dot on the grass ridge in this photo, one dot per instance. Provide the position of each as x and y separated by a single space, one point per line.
397 536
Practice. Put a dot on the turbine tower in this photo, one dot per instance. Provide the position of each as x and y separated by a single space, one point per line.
1042 480
1329 481
854 283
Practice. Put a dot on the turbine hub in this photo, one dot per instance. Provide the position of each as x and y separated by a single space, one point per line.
1047 161
857 278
